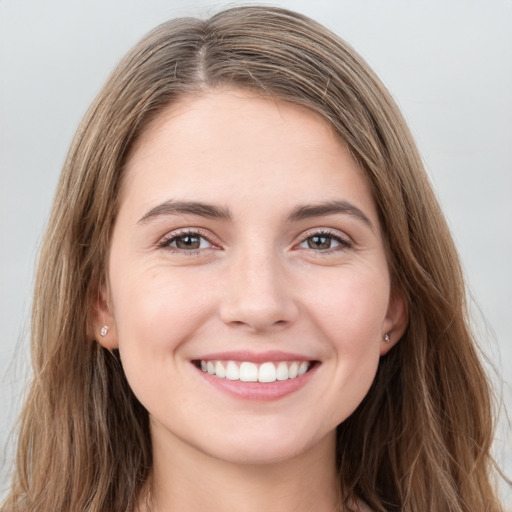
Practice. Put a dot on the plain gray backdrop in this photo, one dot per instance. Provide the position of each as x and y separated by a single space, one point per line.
448 63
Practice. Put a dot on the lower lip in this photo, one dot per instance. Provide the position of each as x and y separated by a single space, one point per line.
258 390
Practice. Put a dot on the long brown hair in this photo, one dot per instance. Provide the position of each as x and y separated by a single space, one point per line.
420 440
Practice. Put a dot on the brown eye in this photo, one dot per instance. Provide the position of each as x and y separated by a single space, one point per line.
186 242
325 242
320 242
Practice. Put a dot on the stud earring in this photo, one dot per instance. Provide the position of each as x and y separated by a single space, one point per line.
387 339
104 330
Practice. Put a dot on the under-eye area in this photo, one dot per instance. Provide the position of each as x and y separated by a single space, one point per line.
248 371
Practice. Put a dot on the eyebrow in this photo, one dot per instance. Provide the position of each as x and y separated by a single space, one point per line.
301 212
328 208
172 207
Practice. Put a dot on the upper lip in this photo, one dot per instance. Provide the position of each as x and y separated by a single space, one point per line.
255 357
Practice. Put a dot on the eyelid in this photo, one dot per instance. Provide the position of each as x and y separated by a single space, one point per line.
341 237
164 241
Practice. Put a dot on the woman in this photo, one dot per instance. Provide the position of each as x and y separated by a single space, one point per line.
247 296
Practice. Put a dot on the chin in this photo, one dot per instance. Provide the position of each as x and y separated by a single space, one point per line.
257 455
264 449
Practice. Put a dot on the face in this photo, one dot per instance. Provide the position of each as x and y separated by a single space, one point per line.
249 292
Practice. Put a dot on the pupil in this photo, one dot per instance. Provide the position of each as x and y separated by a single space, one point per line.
188 242
319 242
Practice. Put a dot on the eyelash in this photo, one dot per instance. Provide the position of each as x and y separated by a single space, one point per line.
166 242
173 237
344 243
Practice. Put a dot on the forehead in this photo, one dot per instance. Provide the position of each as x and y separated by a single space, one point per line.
218 110
227 141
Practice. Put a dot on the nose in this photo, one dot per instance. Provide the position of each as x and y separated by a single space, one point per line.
258 295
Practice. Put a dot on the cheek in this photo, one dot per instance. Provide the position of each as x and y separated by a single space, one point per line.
350 317
351 313
156 310
156 313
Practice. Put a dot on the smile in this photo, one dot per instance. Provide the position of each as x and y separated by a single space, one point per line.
247 371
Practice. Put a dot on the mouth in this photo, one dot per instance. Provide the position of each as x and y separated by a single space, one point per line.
265 372
248 375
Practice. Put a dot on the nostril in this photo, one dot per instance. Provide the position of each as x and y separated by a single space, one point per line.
258 324
258 312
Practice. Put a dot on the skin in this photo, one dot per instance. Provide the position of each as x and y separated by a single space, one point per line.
257 282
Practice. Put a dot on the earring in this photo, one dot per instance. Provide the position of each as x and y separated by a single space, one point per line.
387 339
104 330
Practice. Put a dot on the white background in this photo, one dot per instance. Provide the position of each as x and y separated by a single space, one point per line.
448 63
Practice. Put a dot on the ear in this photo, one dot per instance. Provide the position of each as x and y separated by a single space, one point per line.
395 323
103 321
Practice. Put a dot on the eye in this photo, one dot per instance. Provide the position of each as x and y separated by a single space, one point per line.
189 241
324 241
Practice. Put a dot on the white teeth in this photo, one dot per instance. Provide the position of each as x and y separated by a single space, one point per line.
232 371
251 372
219 370
282 371
248 372
303 368
267 373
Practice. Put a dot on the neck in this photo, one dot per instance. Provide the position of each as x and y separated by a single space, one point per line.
185 478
